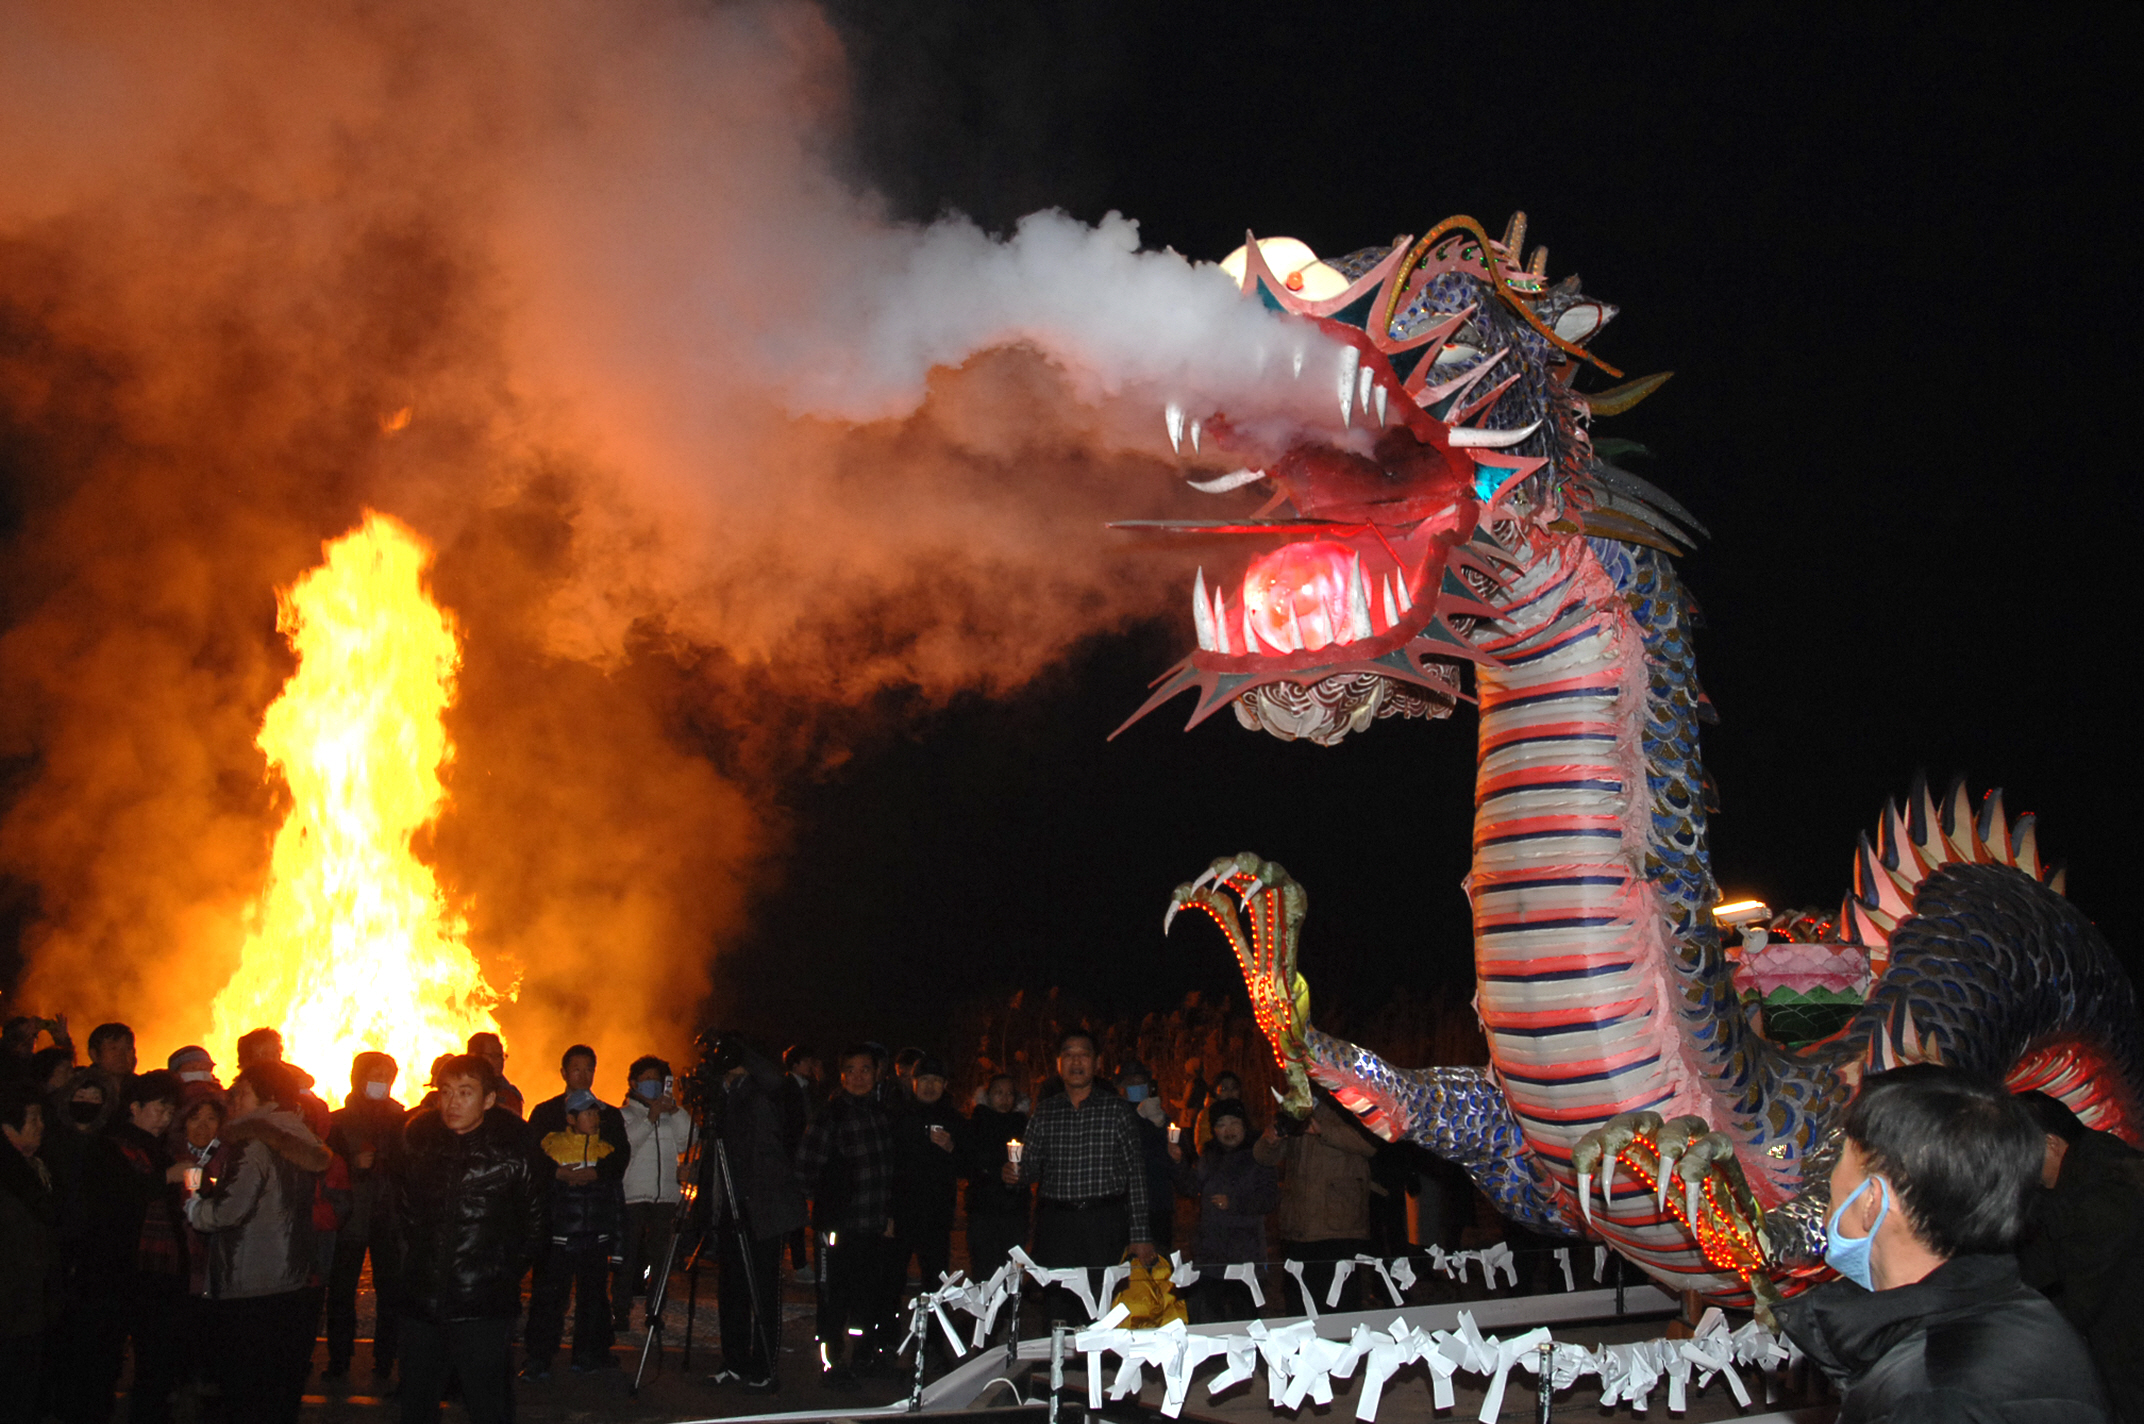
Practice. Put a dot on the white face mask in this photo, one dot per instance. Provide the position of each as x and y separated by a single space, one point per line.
195 1077
375 1090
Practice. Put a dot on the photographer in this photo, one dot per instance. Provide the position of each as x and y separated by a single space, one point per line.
1324 1197
767 1205
656 1131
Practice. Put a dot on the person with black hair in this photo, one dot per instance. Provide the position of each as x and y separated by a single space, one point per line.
256 1214
130 1266
1324 1197
577 1070
846 1167
929 1136
111 1049
492 1049
801 1073
656 1129
29 1253
364 1132
2085 1248
1082 1149
1930 1321
470 1198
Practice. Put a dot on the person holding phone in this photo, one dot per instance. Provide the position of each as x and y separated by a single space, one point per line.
656 1129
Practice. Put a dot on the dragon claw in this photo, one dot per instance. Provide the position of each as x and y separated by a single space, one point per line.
1274 905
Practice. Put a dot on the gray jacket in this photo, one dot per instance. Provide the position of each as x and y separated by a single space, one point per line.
255 1215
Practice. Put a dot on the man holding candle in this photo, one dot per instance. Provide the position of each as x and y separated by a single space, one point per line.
1082 1150
846 1166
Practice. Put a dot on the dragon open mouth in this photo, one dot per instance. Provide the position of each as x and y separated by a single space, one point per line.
1451 396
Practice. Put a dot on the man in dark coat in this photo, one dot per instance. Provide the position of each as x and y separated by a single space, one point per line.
753 1224
468 1189
997 1213
1929 1321
929 1135
2086 1248
365 1132
846 1164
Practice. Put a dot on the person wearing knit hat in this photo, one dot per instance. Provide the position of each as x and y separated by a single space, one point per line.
929 1147
1235 1191
192 1064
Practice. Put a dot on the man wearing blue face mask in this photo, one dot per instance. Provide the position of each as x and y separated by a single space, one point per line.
1931 1322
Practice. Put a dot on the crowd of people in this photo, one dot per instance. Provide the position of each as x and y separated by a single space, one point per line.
218 1230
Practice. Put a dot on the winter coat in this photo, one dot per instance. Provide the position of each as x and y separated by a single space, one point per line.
1970 1343
131 1212
583 1211
2086 1254
364 1125
469 1216
988 1132
926 1177
655 1144
750 1131
549 1116
254 1221
1324 1179
1238 1232
29 1245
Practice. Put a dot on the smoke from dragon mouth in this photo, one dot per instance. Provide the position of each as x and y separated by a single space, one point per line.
702 441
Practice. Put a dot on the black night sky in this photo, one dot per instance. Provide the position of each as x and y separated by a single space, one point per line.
1890 257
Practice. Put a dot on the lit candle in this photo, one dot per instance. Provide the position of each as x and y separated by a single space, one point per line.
1012 1150
1176 1134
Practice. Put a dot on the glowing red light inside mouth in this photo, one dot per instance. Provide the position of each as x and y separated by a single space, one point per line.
1296 598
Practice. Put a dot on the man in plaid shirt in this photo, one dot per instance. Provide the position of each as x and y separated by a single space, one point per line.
1082 1147
846 1165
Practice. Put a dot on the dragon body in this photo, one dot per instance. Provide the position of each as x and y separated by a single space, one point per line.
1461 516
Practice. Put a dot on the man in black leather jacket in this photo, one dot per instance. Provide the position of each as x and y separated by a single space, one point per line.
469 1210
1930 1195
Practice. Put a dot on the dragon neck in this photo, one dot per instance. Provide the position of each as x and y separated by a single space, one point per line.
1600 979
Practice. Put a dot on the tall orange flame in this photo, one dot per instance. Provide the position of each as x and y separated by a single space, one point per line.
352 946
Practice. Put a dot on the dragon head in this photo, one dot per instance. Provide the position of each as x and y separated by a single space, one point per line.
1391 529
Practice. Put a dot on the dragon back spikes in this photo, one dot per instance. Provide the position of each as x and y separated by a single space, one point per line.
1911 842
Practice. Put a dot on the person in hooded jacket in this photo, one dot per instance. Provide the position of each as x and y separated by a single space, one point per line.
1929 1321
587 1224
254 1215
364 1134
1235 1192
929 1136
469 1192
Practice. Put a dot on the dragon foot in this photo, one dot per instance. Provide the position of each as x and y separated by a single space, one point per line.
1274 905
1714 1202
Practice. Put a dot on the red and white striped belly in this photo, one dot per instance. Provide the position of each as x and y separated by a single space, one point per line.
1568 946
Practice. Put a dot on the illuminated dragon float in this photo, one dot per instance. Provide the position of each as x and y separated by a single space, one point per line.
1457 511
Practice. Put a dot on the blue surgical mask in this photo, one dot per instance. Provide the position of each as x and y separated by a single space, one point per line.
375 1090
1847 1255
1135 1092
649 1088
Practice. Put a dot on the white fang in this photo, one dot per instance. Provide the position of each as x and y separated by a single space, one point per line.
1468 437
1201 612
1174 414
1222 484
